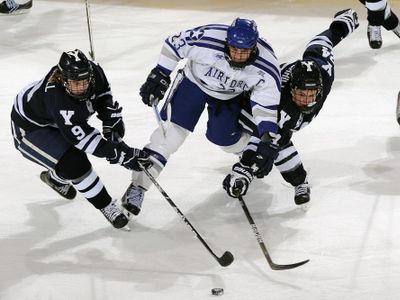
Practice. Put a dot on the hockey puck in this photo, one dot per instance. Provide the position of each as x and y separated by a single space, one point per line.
217 291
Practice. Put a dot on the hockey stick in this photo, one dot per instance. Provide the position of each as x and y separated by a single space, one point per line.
260 241
89 25
158 117
398 109
226 259
177 80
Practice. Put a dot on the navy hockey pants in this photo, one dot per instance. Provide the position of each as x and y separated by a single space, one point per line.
187 104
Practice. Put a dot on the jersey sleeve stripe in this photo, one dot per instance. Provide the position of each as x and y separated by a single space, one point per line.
271 71
108 93
90 142
266 46
209 46
27 93
165 51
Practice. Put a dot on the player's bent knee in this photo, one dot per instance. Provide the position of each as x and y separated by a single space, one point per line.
169 143
73 164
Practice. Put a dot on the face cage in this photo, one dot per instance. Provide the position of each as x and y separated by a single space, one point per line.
84 96
308 109
240 65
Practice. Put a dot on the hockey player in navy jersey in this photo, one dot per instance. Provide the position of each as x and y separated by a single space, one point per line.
306 84
50 127
222 62
380 15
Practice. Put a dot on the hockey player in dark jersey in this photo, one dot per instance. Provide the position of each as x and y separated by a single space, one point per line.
50 127
306 84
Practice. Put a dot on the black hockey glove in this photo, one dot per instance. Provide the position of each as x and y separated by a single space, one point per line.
346 21
130 157
113 125
153 90
237 183
264 158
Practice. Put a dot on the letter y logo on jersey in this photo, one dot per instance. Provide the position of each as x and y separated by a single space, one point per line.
67 114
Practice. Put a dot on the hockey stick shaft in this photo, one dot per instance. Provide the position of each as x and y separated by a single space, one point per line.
158 118
260 241
226 259
178 79
89 25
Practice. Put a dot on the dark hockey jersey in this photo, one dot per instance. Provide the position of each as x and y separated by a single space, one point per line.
44 103
290 117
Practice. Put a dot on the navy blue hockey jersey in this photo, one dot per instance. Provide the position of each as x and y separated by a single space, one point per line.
46 103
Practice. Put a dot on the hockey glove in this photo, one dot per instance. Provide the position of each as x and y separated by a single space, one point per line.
130 157
346 21
237 183
113 125
153 90
264 158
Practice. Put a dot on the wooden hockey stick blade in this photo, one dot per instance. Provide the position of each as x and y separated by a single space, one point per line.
260 241
287 267
226 259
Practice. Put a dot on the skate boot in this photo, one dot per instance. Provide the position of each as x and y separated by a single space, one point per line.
65 190
374 36
114 215
396 31
302 194
132 199
10 7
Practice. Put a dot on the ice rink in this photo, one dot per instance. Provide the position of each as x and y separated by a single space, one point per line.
52 248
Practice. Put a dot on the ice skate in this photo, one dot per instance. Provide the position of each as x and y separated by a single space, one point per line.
65 190
132 199
374 36
114 215
302 195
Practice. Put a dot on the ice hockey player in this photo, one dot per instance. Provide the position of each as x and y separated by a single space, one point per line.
380 14
12 7
50 127
222 62
306 84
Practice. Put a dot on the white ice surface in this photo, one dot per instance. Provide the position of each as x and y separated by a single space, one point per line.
56 249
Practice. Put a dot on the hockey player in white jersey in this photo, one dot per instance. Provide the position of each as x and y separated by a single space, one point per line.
222 62
306 84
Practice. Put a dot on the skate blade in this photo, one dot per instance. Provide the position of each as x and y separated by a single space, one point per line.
126 228
304 207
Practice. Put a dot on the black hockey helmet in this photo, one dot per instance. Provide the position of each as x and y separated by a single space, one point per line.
74 66
241 34
306 75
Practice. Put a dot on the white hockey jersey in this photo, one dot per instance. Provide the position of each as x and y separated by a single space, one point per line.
207 67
